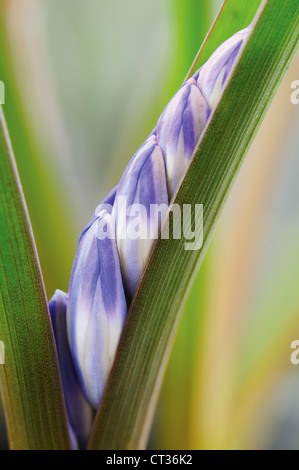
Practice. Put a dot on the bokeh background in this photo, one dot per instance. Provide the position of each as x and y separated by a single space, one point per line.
85 83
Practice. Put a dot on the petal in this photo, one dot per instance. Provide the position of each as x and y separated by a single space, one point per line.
179 129
142 187
96 306
79 412
213 74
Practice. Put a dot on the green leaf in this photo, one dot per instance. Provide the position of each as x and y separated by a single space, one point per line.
30 382
125 414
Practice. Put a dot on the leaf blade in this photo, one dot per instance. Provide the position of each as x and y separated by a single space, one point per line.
30 382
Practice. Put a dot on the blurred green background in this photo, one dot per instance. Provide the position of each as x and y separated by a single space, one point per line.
85 82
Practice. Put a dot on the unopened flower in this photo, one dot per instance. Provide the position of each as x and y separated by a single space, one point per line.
79 411
142 185
96 306
186 115
179 128
212 76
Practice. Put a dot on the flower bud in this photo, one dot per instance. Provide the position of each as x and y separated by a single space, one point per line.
96 306
141 191
178 130
212 76
79 412
183 120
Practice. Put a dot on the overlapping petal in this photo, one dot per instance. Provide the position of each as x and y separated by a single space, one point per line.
213 74
96 306
80 414
141 191
179 128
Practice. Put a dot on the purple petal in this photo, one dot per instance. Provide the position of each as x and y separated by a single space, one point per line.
213 74
96 307
178 130
79 412
143 185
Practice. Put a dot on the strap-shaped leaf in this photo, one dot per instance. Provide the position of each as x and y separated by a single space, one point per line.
125 415
30 380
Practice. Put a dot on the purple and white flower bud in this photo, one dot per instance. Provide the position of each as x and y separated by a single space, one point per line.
80 414
142 191
185 117
178 130
96 306
212 76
